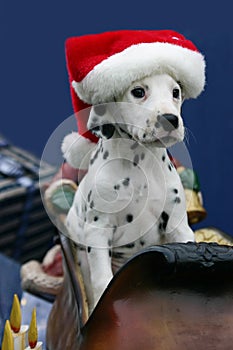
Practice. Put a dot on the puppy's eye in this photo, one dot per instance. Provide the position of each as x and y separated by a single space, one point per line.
176 93
138 92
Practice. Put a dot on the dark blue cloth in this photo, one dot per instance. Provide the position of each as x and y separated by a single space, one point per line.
9 285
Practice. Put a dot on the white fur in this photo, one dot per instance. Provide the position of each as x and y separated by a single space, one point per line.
112 76
132 196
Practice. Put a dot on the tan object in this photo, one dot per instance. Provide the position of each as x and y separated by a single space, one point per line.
195 210
212 234
35 280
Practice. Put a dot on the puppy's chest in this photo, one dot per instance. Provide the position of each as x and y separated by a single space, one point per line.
133 176
124 192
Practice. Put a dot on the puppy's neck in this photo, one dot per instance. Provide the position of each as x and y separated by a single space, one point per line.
127 149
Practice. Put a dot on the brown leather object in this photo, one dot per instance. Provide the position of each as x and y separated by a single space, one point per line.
176 296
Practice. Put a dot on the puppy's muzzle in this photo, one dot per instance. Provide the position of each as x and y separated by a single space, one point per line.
169 122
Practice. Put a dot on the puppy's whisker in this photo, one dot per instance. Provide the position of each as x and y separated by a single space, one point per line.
187 134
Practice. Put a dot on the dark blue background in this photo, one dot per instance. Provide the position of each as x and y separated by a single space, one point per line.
35 95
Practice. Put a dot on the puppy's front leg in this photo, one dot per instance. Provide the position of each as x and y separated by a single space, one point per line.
181 233
174 220
99 260
98 238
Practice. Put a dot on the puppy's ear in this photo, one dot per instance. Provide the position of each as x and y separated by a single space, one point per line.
101 121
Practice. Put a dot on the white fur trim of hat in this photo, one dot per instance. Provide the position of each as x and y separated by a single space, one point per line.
113 76
77 150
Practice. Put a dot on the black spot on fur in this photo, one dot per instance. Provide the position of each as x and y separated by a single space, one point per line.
135 145
88 249
106 154
142 156
95 156
142 242
108 130
170 166
136 160
175 190
92 161
96 218
129 217
165 218
114 229
163 158
89 196
100 109
92 205
130 245
177 200
110 253
125 182
116 187
109 242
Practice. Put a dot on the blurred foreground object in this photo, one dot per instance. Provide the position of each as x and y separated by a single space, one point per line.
151 303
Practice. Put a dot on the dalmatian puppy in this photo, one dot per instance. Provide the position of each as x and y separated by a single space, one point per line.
132 196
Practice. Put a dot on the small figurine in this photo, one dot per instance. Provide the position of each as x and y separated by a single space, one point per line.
33 334
19 332
17 336
7 342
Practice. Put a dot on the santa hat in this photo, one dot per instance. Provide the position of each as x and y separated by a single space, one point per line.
102 66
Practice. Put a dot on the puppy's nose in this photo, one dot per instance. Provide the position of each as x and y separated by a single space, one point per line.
168 121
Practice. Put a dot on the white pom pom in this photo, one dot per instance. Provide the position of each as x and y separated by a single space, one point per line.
77 150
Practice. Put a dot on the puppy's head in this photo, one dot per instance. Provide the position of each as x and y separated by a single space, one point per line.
148 112
151 108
